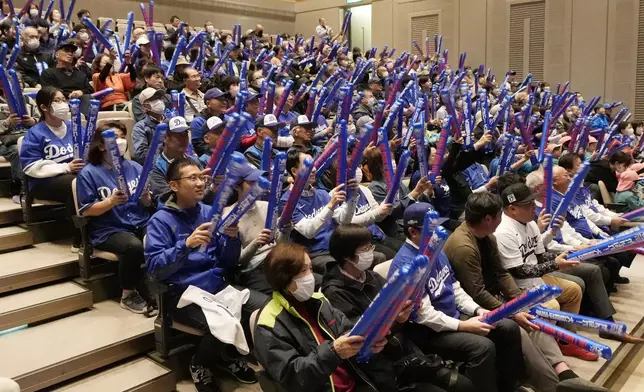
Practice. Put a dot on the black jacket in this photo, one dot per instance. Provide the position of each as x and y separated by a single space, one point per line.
353 298
600 171
348 295
26 66
287 348
66 80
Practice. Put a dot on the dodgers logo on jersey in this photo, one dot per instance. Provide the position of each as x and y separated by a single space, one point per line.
57 153
529 247
437 284
104 191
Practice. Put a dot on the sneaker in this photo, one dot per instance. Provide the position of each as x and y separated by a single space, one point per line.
15 199
570 350
239 369
134 303
152 310
203 378
75 249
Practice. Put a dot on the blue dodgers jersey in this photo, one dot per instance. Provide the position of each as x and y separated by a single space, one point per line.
575 216
40 143
308 207
475 176
97 183
362 207
440 285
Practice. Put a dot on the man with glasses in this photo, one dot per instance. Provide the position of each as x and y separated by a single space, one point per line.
172 255
216 104
194 98
73 82
175 145
302 131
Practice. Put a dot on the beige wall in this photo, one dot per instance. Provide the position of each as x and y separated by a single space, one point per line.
277 16
592 43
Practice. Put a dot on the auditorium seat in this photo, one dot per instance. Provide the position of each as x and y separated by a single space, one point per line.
28 201
607 199
87 253
382 269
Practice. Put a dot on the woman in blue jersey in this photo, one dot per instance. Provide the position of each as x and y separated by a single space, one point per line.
117 224
47 153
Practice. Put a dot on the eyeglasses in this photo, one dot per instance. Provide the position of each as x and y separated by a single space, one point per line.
59 100
371 248
195 178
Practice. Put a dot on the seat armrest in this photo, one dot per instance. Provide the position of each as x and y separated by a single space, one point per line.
617 207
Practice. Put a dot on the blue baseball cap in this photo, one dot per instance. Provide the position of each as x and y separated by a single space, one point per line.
414 215
213 93
246 171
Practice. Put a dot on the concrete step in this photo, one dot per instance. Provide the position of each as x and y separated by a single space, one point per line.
42 303
14 237
39 264
137 375
47 354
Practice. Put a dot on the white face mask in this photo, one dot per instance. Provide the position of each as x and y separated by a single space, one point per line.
83 37
210 29
33 12
365 259
122 145
78 53
60 110
305 287
630 131
157 107
33 44
351 129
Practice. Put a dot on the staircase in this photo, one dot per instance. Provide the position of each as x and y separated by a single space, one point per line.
54 336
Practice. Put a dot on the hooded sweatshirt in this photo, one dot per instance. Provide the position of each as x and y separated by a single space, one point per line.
170 260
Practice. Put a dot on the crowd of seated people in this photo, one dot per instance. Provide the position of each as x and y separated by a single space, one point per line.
310 280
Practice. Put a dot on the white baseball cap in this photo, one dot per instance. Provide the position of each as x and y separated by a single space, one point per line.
214 123
142 40
150 94
178 125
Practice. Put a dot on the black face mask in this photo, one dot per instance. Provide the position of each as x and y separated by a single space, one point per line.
260 33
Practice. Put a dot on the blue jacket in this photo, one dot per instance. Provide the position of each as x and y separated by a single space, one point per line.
599 122
142 137
168 258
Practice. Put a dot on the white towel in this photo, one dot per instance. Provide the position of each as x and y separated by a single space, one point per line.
222 311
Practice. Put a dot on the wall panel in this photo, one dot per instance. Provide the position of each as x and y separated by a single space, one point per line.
596 44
